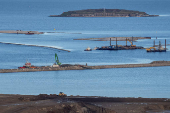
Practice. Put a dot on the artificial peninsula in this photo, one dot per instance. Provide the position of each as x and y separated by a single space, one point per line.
31 68
104 13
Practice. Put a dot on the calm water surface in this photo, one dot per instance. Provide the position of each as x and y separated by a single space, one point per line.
127 82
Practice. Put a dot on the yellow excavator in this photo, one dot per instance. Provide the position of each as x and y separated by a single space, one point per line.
149 49
131 43
158 49
62 94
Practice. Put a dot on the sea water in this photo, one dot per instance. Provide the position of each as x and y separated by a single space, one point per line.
126 82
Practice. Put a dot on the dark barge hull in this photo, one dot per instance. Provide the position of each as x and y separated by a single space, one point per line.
157 51
122 48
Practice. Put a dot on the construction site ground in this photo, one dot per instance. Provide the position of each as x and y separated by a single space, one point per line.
44 103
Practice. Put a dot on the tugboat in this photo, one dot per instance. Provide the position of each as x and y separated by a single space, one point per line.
27 65
96 48
88 49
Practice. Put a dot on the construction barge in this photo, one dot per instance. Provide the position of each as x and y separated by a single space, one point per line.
119 47
158 49
84 67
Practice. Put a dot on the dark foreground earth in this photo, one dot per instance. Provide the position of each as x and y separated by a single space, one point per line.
81 104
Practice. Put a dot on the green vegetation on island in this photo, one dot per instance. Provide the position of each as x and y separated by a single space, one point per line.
104 13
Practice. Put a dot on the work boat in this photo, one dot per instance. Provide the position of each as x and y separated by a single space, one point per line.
88 49
27 65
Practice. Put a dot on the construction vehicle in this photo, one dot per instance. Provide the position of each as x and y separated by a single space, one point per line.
62 94
150 49
57 61
131 43
159 49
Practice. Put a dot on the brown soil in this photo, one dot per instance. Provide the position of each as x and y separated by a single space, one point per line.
56 104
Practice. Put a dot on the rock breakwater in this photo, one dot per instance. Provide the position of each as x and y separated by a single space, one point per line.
83 67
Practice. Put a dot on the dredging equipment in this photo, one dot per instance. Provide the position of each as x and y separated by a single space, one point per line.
158 49
57 63
119 47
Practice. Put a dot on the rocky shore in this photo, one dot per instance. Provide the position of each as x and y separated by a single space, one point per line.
83 67
53 103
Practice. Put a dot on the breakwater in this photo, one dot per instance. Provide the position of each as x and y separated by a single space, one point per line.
83 67
36 46
114 38
21 32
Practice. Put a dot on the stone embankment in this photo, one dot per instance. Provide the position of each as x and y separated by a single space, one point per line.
113 38
36 46
83 67
21 32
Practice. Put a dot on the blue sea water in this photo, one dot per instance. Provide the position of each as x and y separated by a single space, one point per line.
126 82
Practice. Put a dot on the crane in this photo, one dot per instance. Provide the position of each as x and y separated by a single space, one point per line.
57 59
131 43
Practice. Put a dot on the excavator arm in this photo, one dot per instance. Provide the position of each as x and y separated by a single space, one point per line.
131 43
57 59
148 49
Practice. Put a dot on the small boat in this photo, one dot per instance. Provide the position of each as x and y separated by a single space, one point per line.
88 49
27 65
96 48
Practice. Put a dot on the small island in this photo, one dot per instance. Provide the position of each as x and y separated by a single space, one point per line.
104 13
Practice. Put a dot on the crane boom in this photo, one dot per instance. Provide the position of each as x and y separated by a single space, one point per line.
57 59
131 43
